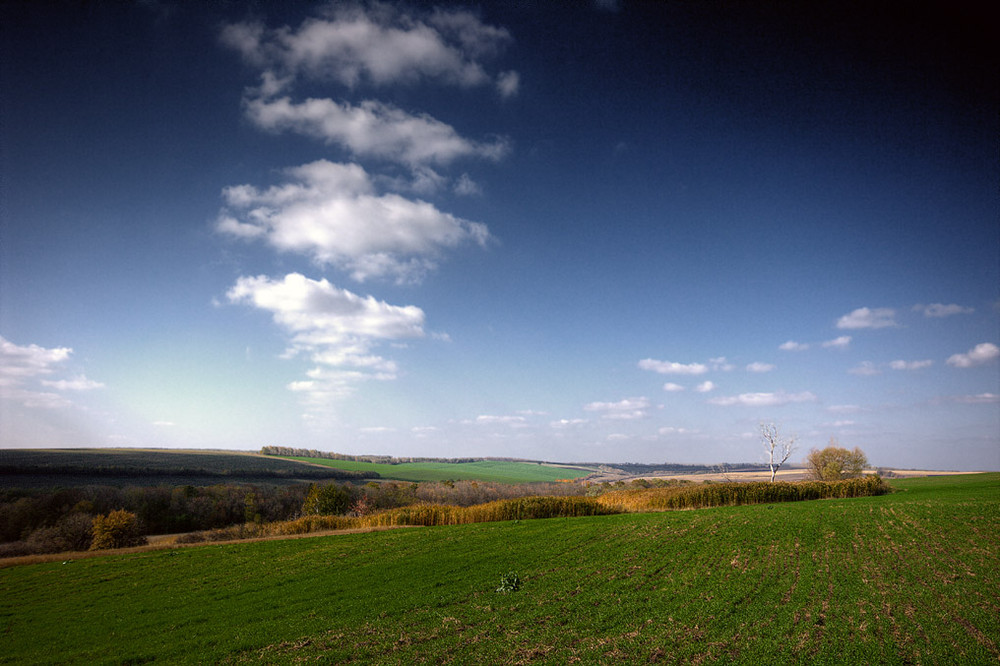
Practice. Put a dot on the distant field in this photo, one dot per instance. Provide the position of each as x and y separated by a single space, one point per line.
904 578
486 470
34 468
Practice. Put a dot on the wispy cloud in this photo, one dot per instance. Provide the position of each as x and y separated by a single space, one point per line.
372 129
705 387
763 399
792 345
628 408
868 318
865 369
24 370
978 355
757 366
671 387
841 342
673 368
941 310
332 213
910 365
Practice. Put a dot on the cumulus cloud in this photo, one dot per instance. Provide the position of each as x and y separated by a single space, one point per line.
868 318
838 343
910 365
704 387
332 213
372 129
757 366
671 387
335 328
375 44
763 399
978 355
941 310
792 345
24 370
673 368
628 408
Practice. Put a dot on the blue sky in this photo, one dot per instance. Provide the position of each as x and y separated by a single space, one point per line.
579 232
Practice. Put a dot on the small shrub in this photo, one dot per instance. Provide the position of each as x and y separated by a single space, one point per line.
118 529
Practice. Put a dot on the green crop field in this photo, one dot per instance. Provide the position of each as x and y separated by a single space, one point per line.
906 578
484 470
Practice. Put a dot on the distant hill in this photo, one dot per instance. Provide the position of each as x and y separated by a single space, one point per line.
37 468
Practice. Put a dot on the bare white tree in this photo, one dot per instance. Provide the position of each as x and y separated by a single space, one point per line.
777 448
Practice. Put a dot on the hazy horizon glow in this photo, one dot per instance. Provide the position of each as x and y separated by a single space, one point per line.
571 232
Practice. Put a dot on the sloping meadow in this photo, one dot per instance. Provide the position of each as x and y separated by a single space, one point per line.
908 577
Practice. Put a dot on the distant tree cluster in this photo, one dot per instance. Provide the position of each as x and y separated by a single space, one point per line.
834 462
37 521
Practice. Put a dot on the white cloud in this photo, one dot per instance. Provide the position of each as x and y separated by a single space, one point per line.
941 310
489 419
704 387
979 399
763 399
24 368
164 424
372 129
757 366
566 423
865 369
465 186
332 213
910 365
838 343
508 83
336 328
978 355
629 408
844 409
23 361
671 430
792 345
720 363
672 368
78 383
672 387
868 318
377 44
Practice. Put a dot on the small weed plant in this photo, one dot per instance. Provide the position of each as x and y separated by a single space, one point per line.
509 582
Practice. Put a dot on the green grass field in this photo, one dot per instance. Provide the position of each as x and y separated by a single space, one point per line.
907 578
485 470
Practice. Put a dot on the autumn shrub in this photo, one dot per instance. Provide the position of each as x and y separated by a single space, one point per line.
118 529
834 462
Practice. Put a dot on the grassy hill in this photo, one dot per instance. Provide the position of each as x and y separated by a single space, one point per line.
483 470
904 578
34 468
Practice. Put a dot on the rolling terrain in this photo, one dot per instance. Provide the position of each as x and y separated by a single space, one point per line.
909 577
